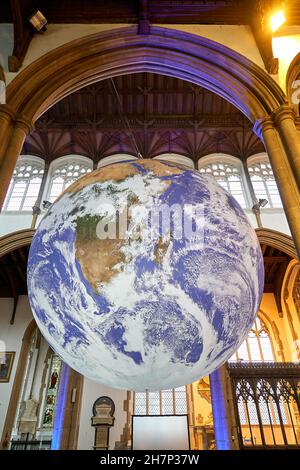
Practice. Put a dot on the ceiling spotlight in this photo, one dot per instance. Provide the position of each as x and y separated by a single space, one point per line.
277 19
38 21
261 203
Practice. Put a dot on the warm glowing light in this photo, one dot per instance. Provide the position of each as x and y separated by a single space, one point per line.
277 20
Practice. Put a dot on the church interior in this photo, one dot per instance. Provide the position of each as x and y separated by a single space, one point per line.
211 86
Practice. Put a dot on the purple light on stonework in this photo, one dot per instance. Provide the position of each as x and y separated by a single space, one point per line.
218 401
60 407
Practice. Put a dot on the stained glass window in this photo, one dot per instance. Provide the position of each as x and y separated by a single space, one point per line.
229 177
24 186
52 392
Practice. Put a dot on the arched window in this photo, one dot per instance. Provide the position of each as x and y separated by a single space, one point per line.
115 158
65 174
263 181
257 347
25 185
176 158
163 402
227 174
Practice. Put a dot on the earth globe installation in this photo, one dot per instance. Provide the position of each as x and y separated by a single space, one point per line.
145 275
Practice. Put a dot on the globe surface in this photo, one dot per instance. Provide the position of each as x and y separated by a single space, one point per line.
138 311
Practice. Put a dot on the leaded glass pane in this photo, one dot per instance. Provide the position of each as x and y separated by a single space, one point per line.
24 187
64 176
154 403
140 403
167 402
227 176
264 183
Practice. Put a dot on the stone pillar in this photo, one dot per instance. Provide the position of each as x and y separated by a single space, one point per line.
224 420
284 176
66 422
13 131
7 116
284 119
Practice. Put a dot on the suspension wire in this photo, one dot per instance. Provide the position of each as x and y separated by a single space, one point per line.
124 118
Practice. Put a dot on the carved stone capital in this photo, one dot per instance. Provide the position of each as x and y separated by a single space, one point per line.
262 125
22 122
282 113
8 114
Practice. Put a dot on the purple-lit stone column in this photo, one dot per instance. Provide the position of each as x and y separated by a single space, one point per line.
221 409
60 408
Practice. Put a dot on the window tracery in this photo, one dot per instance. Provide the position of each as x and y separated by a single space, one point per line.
228 176
24 186
264 183
64 175
257 347
163 402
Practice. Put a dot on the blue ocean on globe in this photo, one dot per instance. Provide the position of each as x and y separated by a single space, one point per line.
151 309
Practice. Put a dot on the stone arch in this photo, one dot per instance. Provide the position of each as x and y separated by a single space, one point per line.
292 75
15 240
289 309
274 334
166 51
284 243
123 51
278 240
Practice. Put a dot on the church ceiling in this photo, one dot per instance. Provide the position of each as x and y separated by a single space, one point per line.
165 114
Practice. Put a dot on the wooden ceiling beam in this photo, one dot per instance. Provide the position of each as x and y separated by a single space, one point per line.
23 32
259 23
275 259
268 288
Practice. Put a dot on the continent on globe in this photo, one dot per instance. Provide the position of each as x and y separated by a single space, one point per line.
145 275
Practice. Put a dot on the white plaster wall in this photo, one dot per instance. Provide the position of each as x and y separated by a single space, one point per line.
275 219
286 45
13 221
11 340
238 38
6 43
175 158
92 391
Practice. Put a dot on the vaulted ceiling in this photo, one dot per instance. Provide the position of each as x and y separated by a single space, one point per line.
163 114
